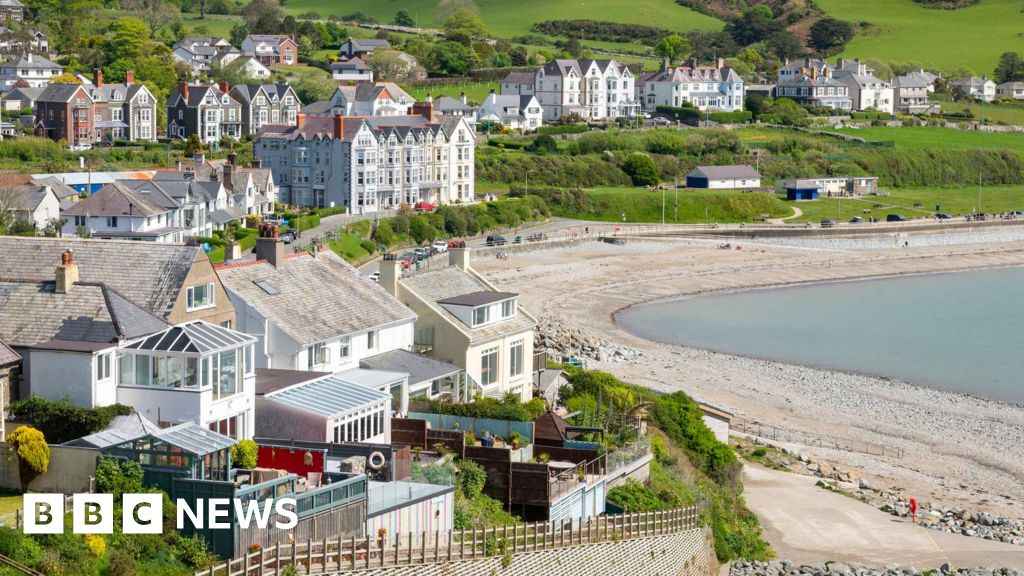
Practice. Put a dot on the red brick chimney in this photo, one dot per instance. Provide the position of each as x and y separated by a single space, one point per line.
129 77
339 126
183 90
425 108
224 86
97 76
300 119
268 246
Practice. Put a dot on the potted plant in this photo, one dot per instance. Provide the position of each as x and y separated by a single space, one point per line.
516 440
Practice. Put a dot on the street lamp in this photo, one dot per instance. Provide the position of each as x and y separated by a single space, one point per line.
527 192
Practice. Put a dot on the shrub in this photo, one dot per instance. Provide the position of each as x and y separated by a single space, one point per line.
635 497
641 169
118 476
544 143
14 544
491 408
384 233
244 454
192 550
471 477
96 544
33 453
563 129
62 421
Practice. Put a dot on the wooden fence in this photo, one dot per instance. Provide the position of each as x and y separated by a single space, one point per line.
327 556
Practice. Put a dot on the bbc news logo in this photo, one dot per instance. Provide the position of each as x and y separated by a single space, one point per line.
143 513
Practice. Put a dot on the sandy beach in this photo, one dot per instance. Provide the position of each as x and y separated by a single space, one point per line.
957 450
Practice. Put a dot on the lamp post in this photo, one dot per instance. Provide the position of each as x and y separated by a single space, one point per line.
527 191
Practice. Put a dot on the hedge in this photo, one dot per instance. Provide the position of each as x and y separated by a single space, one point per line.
870 115
563 129
737 117
304 222
508 144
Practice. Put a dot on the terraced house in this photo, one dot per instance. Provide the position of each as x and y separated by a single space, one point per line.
206 110
809 82
66 112
706 87
371 163
123 111
266 104
593 89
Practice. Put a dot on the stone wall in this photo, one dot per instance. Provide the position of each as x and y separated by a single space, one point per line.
70 471
685 553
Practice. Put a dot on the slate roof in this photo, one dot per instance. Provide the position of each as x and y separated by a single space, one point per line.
972 81
150 274
420 368
520 78
863 80
60 93
908 82
317 298
433 287
246 92
33 313
36 62
742 171
367 91
29 197
478 298
364 44
227 214
350 64
680 74
449 104
117 199
107 92
8 356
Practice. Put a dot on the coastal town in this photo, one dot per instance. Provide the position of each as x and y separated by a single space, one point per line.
488 290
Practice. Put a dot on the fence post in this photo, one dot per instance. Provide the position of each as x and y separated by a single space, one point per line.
437 540
325 554
462 544
423 547
367 555
309 555
293 553
449 545
410 547
398 548
515 538
245 564
352 553
277 559
339 552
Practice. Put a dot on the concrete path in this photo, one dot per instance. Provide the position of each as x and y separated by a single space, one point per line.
796 214
807 524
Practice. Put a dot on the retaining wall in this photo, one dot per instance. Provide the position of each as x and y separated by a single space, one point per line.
70 470
685 553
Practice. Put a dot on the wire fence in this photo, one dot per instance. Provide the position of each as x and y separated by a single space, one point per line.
772 432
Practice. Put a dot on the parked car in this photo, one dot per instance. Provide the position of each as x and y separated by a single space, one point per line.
455 242
856 220
407 259
425 207
536 237
895 218
375 276
496 240
662 121
440 246
421 253
287 237
518 240
828 223
942 216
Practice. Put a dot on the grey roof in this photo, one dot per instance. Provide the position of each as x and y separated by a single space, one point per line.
31 61
197 337
60 93
188 436
433 287
908 82
862 80
120 430
227 214
29 197
368 43
150 274
24 92
33 313
420 368
744 171
970 81
329 397
247 92
272 379
350 64
60 189
116 199
8 356
520 78
478 298
318 298
319 108
194 439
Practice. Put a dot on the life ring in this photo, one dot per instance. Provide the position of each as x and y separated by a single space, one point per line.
376 460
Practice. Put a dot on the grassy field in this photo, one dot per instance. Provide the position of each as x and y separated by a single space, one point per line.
955 201
642 205
905 31
505 19
934 137
992 113
475 91
213 24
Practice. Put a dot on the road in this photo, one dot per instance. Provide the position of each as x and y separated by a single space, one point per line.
807 524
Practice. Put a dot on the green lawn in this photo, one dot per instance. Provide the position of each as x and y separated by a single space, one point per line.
955 201
214 24
9 502
934 137
905 31
475 91
1012 113
505 18
642 205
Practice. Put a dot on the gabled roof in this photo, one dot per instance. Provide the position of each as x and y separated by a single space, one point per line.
743 171
8 356
316 298
62 93
29 198
117 199
33 61
520 78
350 64
275 39
562 67
971 81
34 314
862 80
451 282
908 82
150 274
60 189
420 368
368 44
115 92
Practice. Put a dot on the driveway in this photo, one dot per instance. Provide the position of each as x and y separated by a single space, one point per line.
807 524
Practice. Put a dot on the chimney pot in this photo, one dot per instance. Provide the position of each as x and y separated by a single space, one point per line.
67 273
129 77
268 246
339 126
98 77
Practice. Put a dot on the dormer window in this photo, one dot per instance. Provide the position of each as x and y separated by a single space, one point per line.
508 308
481 315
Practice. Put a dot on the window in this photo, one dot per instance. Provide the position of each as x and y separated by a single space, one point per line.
229 377
103 366
111 221
489 366
480 315
79 220
231 427
200 296
508 308
371 340
346 347
317 355
126 369
515 360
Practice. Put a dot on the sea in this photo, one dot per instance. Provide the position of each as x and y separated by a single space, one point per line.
961 332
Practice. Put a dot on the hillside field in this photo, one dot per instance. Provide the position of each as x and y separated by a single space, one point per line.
905 31
935 137
645 206
505 18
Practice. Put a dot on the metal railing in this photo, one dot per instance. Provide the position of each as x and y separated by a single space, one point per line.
386 550
772 432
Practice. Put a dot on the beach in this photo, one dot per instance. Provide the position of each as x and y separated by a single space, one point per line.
956 450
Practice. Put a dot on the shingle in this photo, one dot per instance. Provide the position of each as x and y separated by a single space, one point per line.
318 298
150 274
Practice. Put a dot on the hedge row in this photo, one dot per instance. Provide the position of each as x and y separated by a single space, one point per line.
682 114
563 129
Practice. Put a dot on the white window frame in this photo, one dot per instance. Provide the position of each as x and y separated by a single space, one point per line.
490 375
190 297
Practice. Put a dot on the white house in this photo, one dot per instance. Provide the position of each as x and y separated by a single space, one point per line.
365 99
448 106
35 204
740 176
865 90
351 70
706 88
1013 90
512 111
249 67
594 89
118 211
32 68
466 321
974 87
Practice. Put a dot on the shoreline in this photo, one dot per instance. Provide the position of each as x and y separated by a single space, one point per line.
859 373
958 449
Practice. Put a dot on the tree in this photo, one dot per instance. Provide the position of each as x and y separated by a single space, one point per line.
707 45
829 33
245 454
574 48
544 143
128 38
65 78
1009 69
789 112
388 65
445 9
265 10
157 14
641 169
519 56
464 21
32 451
404 19
12 196
421 230
674 47
785 44
384 234
753 26
193 145
450 58
314 87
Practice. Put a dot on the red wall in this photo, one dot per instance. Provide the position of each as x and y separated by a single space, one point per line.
294 460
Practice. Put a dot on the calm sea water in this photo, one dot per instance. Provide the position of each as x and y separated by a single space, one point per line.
962 332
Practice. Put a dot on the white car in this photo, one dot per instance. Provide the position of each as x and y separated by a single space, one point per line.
439 246
375 276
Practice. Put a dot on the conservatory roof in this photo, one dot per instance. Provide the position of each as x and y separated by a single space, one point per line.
195 337
329 397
